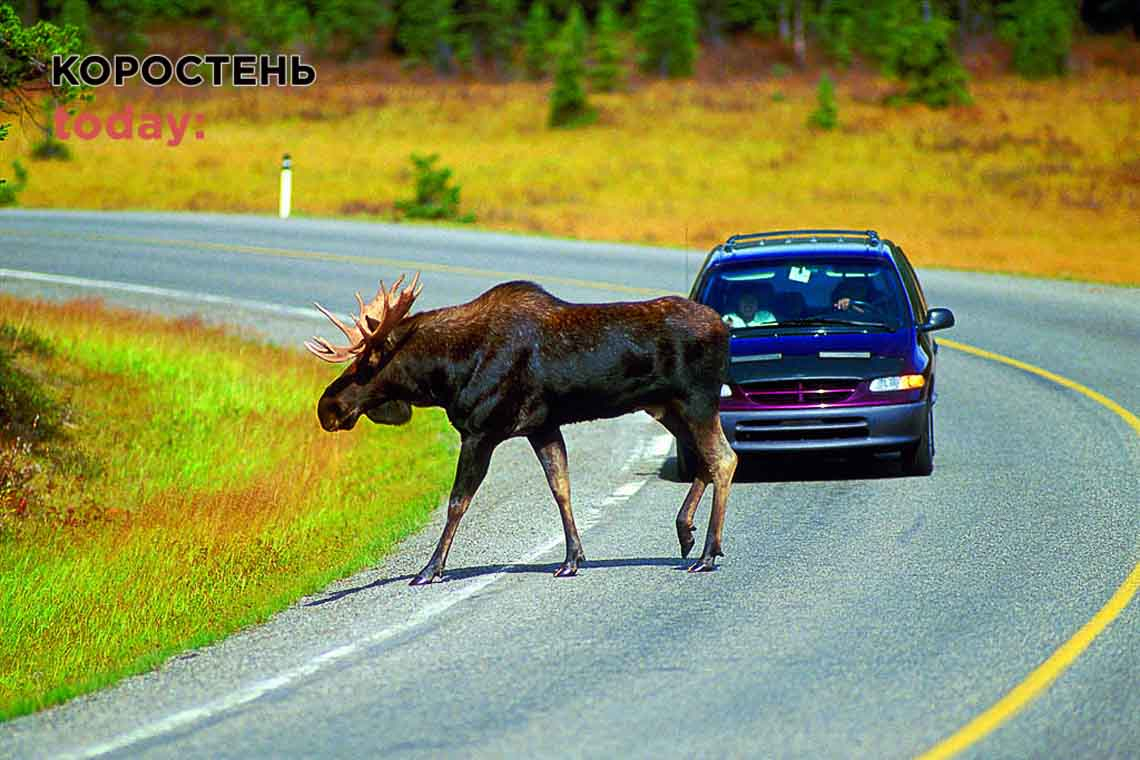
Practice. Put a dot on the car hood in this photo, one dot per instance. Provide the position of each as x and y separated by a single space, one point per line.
821 354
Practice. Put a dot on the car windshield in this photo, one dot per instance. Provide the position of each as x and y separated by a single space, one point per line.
843 294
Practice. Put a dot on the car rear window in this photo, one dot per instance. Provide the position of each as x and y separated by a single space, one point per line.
775 292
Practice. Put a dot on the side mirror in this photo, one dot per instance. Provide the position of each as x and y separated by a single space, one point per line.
937 319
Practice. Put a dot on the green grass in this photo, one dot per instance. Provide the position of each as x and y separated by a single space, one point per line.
188 493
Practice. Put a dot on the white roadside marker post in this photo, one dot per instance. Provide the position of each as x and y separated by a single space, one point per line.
286 187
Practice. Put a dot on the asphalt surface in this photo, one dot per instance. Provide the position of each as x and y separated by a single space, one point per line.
857 613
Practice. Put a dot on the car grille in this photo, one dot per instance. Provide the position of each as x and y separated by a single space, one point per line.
801 429
800 392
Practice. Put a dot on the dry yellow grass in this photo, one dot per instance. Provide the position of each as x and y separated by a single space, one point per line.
1036 178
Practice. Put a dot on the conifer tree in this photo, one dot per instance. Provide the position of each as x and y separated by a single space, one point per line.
424 31
536 40
667 36
580 32
836 26
606 74
568 106
826 114
501 31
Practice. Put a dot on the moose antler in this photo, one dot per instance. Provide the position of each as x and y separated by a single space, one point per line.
376 319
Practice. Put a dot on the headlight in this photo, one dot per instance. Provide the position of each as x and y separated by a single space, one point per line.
725 391
897 383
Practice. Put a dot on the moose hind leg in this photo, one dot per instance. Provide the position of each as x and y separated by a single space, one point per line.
474 457
551 451
676 425
720 462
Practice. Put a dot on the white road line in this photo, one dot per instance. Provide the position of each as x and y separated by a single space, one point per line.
246 694
150 290
653 449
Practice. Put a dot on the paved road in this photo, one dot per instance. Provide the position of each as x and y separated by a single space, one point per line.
856 614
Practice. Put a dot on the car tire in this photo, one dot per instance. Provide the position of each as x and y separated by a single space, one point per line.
686 463
918 458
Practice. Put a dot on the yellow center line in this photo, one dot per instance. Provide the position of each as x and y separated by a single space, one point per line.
343 258
1057 663
997 714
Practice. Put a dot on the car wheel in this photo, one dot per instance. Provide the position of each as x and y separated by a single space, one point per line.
686 463
918 458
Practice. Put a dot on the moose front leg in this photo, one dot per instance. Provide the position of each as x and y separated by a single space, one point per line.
551 451
474 457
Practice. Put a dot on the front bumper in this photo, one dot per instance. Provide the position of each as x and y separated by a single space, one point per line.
885 427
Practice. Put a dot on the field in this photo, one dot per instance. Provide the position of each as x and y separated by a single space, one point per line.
163 483
1038 178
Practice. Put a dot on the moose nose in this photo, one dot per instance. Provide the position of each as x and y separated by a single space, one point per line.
329 413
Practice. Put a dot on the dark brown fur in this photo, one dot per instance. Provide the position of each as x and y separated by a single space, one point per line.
516 361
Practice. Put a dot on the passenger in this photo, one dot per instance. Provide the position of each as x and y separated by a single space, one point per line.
748 313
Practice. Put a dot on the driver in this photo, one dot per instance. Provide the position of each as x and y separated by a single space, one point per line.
854 294
748 312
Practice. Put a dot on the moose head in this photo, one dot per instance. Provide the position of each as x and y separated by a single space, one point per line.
373 347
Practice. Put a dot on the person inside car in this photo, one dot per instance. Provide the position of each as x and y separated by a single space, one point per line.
748 312
854 294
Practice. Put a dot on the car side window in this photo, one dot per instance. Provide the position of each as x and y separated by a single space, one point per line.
913 289
917 285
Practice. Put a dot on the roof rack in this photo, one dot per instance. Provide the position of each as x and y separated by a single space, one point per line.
814 236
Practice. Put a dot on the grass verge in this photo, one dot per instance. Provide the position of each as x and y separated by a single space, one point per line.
163 483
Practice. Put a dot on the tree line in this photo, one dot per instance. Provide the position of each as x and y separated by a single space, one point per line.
519 38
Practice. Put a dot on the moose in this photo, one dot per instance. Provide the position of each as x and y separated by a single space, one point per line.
517 361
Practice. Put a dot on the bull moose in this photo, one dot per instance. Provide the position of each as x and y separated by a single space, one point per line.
516 361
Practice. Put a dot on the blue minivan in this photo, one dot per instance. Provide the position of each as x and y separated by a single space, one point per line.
831 345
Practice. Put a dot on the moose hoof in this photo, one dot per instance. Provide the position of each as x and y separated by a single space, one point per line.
704 565
686 539
566 570
425 577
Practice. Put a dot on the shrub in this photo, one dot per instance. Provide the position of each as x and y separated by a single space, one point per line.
269 25
27 409
348 27
10 190
434 198
1041 32
826 114
51 149
920 53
